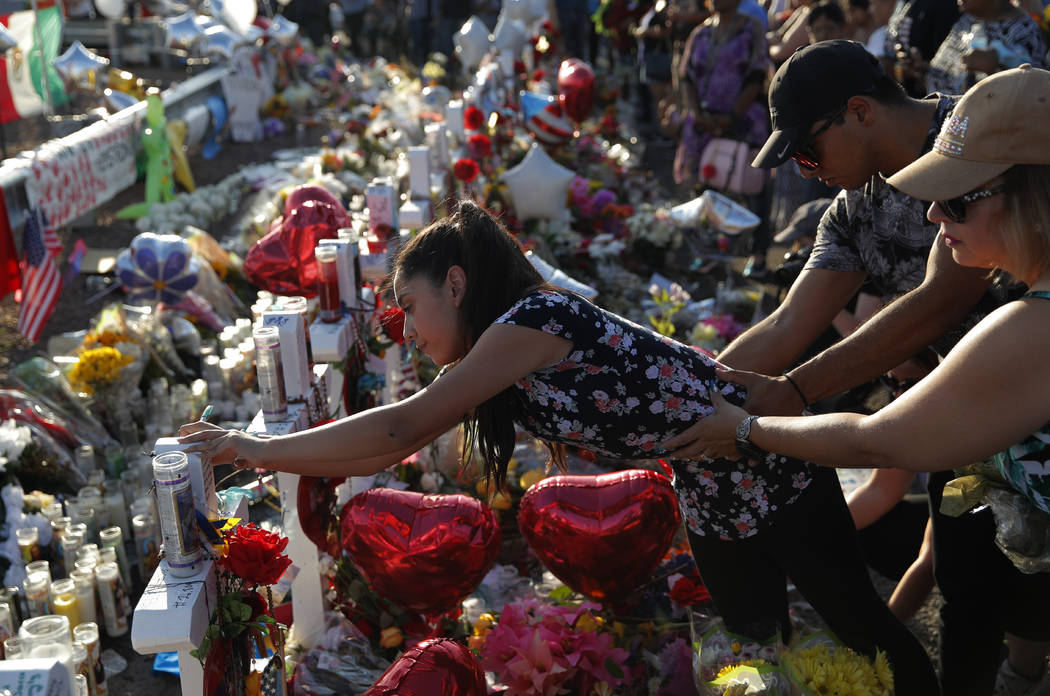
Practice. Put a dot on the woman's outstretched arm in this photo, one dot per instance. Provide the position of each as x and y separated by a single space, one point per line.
367 442
991 392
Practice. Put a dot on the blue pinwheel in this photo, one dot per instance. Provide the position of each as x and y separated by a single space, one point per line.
157 268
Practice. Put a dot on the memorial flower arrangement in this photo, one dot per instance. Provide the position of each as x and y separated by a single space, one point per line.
97 369
243 633
651 224
826 669
539 649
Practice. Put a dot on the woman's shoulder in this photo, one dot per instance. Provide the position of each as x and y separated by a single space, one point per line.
544 301
1016 334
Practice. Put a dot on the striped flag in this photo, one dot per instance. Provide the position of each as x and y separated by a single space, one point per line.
21 81
41 281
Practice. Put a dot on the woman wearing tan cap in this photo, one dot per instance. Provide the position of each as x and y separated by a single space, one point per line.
989 175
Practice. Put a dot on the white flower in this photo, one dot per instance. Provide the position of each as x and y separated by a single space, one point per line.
603 245
430 482
13 439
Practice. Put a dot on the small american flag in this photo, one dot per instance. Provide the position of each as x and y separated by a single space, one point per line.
41 281
272 683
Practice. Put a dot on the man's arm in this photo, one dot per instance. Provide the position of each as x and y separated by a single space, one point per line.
909 324
776 342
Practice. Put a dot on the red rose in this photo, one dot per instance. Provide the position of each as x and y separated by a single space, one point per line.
473 118
479 145
689 591
465 169
538 75
255 555
708 171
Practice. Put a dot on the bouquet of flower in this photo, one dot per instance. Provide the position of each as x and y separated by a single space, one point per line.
244 646
652 225
541 649
817 665
727 664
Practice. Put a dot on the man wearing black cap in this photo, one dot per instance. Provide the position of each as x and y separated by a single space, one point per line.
838 115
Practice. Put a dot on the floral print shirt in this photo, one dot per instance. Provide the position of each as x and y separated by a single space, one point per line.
623 389
1026 465
1020 35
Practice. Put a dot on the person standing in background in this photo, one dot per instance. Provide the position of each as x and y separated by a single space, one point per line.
353 24
880 11
420 20
991 35
914 33
452 14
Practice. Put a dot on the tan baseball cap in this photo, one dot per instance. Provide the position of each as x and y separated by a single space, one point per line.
1002 121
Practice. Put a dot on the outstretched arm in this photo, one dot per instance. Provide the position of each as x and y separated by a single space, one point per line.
990 393
947 294
367 442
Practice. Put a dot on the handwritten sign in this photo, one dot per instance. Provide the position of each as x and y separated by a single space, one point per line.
75 175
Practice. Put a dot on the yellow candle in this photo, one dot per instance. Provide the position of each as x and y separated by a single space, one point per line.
64 601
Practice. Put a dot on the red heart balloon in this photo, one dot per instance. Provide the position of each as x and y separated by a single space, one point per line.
283 260
316 503
600 535
422 552
576 88
434 667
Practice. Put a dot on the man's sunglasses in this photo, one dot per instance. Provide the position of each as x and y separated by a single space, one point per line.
804 156
955 209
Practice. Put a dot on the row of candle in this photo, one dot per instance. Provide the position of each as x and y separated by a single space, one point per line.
95 586
76 648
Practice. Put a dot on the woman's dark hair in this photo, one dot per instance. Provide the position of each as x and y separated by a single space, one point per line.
498 275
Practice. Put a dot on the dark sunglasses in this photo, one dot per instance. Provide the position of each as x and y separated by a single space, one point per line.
804 156
955 209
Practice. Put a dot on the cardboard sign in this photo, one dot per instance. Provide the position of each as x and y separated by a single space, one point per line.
246 88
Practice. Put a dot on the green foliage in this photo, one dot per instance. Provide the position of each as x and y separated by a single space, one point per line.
234 617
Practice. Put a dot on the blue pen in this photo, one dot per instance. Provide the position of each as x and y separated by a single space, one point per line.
206 414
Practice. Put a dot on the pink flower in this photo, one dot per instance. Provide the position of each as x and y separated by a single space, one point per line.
538 649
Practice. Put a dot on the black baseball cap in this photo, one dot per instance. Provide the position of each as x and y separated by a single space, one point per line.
814 82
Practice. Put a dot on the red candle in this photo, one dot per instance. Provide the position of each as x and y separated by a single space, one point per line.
328 283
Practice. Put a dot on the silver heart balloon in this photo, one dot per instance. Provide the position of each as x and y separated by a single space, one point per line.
78 63
205 23
183 31
7 39
283 30
117 100
220 41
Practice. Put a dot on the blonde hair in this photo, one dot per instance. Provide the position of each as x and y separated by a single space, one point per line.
1026 225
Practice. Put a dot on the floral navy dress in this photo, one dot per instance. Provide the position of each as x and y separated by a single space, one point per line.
623 389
